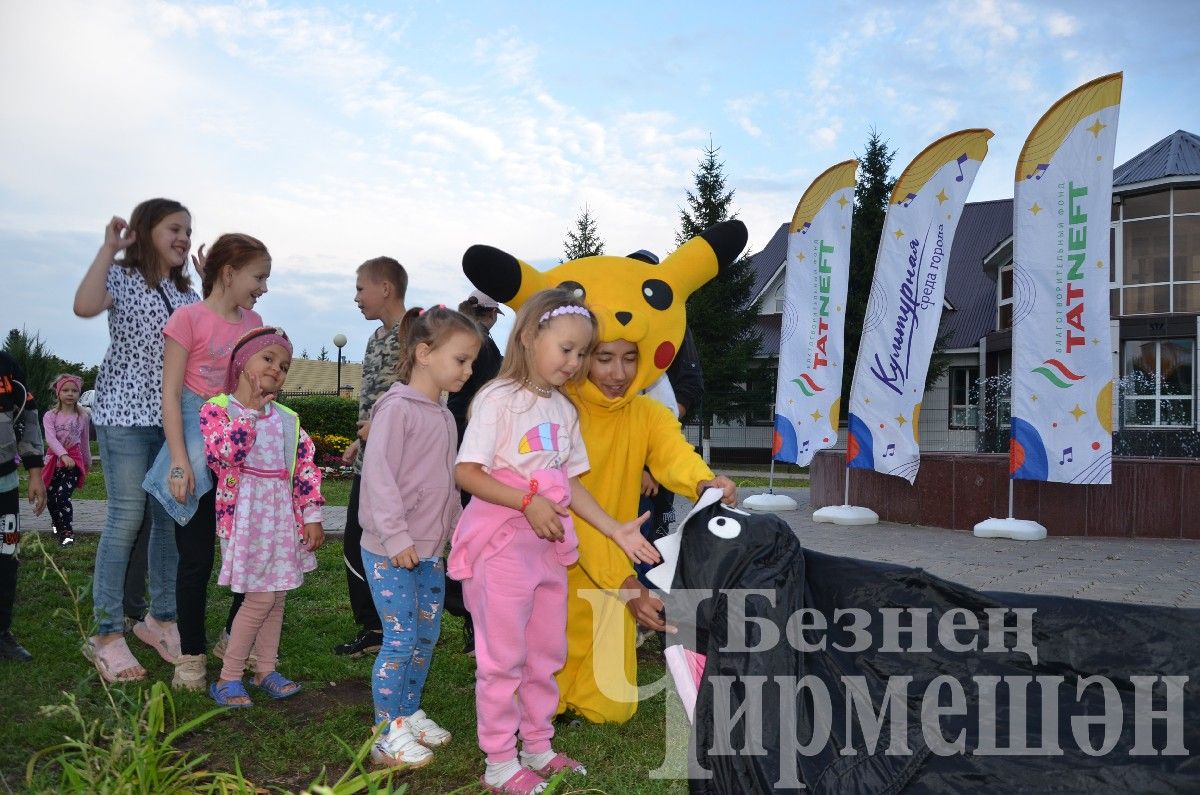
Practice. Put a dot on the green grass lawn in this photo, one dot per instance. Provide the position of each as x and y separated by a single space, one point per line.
284 745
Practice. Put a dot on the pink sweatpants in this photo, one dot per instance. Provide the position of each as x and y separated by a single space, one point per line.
518 601
258 623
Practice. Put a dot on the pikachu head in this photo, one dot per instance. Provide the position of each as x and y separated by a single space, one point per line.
631 299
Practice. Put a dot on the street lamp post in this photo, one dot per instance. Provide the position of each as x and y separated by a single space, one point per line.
340 341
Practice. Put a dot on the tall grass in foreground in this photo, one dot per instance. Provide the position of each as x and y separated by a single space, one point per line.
131 749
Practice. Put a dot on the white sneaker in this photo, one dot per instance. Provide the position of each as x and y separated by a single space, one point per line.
397 747
426 731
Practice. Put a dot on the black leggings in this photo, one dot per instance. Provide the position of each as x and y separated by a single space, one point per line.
361 603
196 541
58 497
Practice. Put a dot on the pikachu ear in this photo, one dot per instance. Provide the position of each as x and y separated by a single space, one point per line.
705 256
501 275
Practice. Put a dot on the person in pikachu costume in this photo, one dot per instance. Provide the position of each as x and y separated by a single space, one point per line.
643 304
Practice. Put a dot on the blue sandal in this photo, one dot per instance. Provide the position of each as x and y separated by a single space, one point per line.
276 686
221 692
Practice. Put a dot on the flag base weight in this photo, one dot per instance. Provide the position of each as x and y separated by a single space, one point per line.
769 503
845 515
1017 529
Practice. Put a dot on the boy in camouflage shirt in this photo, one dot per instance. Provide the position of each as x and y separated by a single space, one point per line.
379 292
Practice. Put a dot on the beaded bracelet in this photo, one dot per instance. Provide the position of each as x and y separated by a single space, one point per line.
528 498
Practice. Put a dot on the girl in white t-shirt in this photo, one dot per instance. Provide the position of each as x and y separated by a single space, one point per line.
521 459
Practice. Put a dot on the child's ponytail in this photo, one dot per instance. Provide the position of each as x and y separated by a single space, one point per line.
431 326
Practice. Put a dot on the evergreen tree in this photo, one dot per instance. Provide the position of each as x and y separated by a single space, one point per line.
871 196
584 240
323 356
41 366
720 314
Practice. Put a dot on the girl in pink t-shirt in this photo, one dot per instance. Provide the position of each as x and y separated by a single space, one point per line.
68 454
199 339
521 459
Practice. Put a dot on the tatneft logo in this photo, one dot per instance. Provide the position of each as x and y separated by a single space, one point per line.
977 715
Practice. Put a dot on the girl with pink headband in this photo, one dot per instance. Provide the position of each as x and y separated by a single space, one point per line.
68 454
268 507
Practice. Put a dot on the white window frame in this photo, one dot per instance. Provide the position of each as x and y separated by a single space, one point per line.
971 407
1158 397
1119 266
1000 299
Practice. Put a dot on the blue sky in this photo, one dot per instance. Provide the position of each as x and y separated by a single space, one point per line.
339 132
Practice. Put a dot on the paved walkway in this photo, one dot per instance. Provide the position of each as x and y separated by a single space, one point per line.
1136 571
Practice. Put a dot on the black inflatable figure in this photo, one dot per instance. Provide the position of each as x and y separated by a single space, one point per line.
802 652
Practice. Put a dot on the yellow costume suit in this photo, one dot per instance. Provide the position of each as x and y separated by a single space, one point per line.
644 304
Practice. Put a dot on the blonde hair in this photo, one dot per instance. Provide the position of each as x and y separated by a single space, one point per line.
386 269
518 355
58 401
431 326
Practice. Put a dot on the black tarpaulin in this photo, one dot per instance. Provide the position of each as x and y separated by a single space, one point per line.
753 718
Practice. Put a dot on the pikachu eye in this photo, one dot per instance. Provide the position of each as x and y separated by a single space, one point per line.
658 294
724 527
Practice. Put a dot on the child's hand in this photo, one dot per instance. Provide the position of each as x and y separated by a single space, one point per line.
37 491
351 452
258 398
631 541
543 514
727 486
646 608
314 536
66 462
117 235
180 480
364 427
407 559
649 485
200 259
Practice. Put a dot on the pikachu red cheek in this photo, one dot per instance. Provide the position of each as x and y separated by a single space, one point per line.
664 354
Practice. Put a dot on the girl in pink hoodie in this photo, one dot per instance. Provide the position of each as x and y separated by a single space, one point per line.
408 505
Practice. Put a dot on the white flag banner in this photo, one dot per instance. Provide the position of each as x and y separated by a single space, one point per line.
1062 373
905 304
816 273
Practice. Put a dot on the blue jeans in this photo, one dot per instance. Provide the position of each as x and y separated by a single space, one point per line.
155 482
412 620
126 454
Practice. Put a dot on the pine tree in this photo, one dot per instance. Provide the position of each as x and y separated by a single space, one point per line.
870 209
720 314
323 356
584 241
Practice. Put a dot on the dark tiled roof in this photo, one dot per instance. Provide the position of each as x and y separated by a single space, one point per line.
1177 155
970 290
769 260
768 328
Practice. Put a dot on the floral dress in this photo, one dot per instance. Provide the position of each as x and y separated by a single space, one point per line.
263 551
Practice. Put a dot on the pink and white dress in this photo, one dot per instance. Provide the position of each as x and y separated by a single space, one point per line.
264 552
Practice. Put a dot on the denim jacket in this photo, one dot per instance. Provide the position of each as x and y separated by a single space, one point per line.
156 479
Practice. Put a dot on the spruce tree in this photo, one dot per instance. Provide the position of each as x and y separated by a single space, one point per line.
584 240
720 314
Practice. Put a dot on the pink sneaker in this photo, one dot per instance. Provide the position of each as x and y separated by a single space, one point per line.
523 782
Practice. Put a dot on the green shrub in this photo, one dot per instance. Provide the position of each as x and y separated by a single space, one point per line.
325 415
